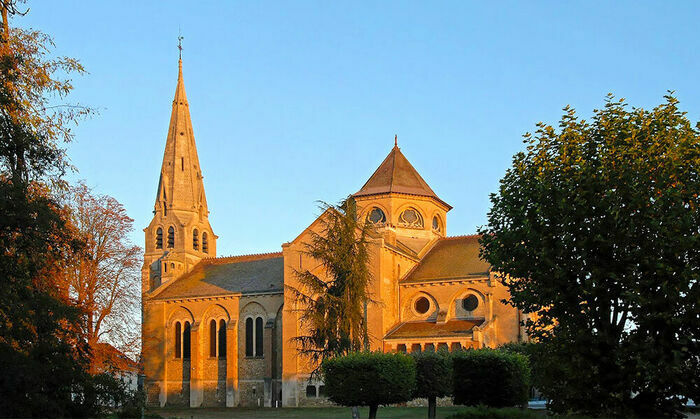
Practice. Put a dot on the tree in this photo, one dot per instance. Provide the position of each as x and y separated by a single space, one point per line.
490 377
596 231
333 307
42 350
104 280
433 377
369 379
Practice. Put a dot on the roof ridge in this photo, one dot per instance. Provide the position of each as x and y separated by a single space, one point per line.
463 236
242 258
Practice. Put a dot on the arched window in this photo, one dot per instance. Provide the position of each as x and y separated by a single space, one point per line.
254 337
249 342
212 338
159 238
195 239
436 224
186 348
178 341
171 237
259 336
222 338
411 218
205 242
376 216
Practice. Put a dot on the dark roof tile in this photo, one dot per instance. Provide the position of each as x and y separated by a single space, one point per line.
450 257
425 329
229 275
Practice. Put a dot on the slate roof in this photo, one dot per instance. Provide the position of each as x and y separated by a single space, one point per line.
425 329
397 175
450 258
229 275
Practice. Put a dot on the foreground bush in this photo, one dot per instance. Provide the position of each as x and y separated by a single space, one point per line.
483 412
369 379
433 377
490 377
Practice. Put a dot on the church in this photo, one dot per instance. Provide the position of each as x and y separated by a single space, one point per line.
218 331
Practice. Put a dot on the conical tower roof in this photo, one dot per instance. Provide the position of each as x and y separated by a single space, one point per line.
397 175
180 186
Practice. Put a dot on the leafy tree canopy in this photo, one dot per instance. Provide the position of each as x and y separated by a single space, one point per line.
596 231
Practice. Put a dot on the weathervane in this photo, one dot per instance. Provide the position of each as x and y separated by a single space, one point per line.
179 42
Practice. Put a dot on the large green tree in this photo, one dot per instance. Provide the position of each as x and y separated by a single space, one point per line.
596 231
332 302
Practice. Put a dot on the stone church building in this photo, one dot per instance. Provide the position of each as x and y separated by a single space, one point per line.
217 331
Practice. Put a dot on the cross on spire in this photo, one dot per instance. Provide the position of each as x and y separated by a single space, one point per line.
396 140
179 43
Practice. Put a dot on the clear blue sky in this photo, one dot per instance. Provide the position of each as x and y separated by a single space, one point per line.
294 102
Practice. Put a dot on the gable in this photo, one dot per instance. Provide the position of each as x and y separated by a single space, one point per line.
450 257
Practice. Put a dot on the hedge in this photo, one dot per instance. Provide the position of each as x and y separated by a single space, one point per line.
490 377
433 377
369 379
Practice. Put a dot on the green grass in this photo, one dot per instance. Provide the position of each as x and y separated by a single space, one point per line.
299 412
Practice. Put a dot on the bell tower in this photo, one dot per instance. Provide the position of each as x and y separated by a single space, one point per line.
179 234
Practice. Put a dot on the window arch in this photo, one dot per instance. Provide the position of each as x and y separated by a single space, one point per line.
222 338
195 239
249 337
437 225
171 237
159 238
254 337
376 216
259 336
186 340
410 217
212 338
178 340
205 242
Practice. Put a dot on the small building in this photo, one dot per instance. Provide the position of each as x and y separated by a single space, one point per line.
217 331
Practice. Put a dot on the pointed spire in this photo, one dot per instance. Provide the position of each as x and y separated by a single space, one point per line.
397 175
180 186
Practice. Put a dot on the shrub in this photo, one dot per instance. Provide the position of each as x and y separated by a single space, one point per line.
369 379
433 377
484 412
490 377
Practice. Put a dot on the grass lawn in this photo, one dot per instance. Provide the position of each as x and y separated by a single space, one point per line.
298 412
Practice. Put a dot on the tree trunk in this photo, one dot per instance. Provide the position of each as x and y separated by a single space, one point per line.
355 412
432 407
373 411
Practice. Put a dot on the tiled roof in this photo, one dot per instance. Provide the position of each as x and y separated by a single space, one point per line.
229 275
450 257
427 329
397 175
106 356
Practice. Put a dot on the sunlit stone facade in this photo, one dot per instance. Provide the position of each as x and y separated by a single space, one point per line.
218 331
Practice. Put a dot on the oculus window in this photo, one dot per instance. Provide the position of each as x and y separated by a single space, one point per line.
422 305
470 303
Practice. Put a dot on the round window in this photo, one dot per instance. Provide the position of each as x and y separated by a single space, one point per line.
422 305
376 216
470 303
